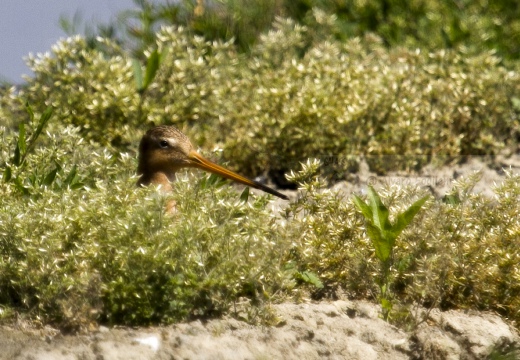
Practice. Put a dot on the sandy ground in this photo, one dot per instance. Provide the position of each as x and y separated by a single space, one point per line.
326 330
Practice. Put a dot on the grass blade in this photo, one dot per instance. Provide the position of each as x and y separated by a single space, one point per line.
21 145
29 110
44 119
138 75
49 178
8 173
152 65
20 149
245 194
71 177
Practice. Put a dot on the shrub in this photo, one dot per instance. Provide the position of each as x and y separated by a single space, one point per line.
91 88
478 26
273 109
458 254
104 251
400 108
107 253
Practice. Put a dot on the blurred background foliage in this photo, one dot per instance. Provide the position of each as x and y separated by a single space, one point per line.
266 85
477 25
288 99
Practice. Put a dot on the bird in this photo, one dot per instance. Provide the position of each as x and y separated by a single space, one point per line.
164 150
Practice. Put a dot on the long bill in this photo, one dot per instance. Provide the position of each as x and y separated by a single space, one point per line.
200 162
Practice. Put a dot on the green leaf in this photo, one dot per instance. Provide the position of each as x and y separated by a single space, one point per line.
29 110
77 185
152 65
71 177
451 199
46 116
381 244
7 174
49 178
379 210
311 278
21 140
20 187
138 74
44 119
386 305
32 179
212 180
377 224
20 149
405 218
220 182
363 207
17 157
164 53
245 194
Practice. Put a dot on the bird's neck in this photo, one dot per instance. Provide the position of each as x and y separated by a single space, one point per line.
157 178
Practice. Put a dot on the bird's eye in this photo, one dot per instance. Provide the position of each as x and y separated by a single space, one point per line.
163 144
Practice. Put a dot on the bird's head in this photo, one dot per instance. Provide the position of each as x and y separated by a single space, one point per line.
164 150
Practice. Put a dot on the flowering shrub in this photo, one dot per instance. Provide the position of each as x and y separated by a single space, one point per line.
87 246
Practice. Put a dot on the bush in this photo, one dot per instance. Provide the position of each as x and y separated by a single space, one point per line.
103 251
92 88
399 108
272 110
108 253
478 26
458 254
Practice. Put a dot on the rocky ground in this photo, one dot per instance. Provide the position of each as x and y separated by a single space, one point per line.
325 330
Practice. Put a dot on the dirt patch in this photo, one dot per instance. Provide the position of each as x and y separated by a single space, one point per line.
335 330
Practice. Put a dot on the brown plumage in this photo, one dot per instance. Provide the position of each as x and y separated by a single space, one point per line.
164 150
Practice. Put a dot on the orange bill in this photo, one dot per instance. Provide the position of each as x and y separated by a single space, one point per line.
200 162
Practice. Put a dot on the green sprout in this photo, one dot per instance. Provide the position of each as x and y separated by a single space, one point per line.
23 147
383 235
153 62
142 83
